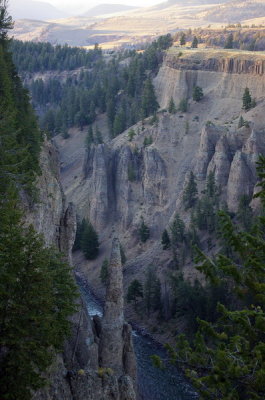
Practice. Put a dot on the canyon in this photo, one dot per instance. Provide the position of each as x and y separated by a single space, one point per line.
204 139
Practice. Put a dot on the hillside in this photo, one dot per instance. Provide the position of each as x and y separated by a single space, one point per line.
137 26
204 139
40 10
104 9
235 11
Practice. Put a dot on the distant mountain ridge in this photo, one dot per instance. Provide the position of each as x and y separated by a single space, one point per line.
103 9
40 10
236 11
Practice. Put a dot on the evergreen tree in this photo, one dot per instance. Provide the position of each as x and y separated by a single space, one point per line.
229 43
190 192
182 40
149 102
241 122
37 291
246 99
177 230
165 240
197 93
89 137
144 232
171 106
183 105
79 232
152 291
245 213
211 188
131 134
89 241
135 291
194 44
220 360
37 295
104 272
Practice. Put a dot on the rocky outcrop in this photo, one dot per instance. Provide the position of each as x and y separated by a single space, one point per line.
115 345
221 62
233 159
75 373
222 75
111 343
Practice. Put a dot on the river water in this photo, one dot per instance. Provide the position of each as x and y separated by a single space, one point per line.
153 383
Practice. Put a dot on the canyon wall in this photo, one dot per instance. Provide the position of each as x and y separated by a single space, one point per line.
118 183
75 373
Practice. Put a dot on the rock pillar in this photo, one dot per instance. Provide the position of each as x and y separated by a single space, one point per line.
111 339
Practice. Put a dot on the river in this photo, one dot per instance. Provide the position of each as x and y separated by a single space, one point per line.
153 383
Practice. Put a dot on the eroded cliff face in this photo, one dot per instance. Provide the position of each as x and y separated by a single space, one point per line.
116 183
74 373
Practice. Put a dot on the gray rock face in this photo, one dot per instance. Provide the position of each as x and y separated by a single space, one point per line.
74 374
126 179
115 345
111 340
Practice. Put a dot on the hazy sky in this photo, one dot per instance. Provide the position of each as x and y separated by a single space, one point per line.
86 4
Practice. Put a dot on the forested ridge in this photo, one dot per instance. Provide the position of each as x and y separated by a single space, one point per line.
119 85
37 291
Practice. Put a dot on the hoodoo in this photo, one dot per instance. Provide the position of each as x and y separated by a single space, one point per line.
116 348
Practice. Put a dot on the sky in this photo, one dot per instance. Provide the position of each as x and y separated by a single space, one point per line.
86 4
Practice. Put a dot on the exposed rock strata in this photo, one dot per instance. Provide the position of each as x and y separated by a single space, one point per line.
74 374
222 63
122 180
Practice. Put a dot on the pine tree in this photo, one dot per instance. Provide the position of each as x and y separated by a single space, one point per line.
241 122
182 39
246 99
190 192
89 137
152 291
211 188
229 43
177 230
37 294
183 105
194 44
171 106
131 134
244 213
135 291
165 240
220 360
149 103
144 232
197 93
89 242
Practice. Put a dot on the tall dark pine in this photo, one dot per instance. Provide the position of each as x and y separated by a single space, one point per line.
194 44
197 93
165 240
247 100
89 242
190 192
149 102
144 232
182 39
229 43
